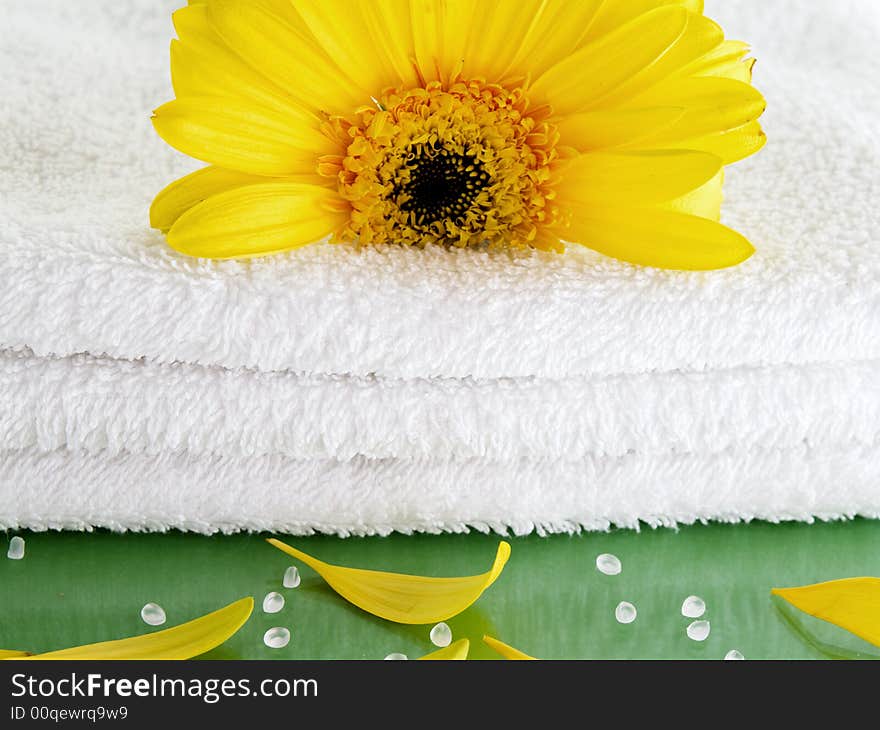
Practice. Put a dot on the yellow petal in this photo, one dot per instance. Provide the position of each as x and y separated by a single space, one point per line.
440 32
711 105
505 650
735 70
731 146
456 651
554 34
658 238
11 654
496 35
704 202
257 220
405 599
700 37
180 642
720 56
617 13
240 135
635 178
390 21
581 81
827 639
183 194
203 65
344 33
853 604
281 47
606 128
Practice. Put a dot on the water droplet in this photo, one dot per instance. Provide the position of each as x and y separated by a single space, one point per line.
153 614
396 656
277 637
733 655
693 607
16 548
291 577
441 635
698 630
625 612
273 602
608 564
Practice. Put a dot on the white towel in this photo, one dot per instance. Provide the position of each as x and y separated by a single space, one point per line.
363 391
64 490
83 403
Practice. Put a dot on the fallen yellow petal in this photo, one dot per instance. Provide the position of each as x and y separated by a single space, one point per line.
180 642
456 651
853 604
404 599
505 650
10 654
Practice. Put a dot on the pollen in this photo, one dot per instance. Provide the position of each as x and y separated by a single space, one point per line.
465 164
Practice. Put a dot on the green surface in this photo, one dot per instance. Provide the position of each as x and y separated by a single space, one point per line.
550 601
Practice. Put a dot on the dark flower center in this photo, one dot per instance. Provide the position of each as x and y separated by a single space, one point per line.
442 186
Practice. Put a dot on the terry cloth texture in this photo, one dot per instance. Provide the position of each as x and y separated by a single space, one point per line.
362 392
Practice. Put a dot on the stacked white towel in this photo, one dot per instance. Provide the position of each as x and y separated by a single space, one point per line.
360 392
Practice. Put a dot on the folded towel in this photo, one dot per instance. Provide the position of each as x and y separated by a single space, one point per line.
388 389
64 490
147 408
81 271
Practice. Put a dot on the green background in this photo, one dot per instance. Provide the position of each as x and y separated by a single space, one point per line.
550 601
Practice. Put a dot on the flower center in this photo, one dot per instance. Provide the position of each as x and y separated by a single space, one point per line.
464 164
441 186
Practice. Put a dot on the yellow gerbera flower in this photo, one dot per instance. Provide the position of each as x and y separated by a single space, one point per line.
460 122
